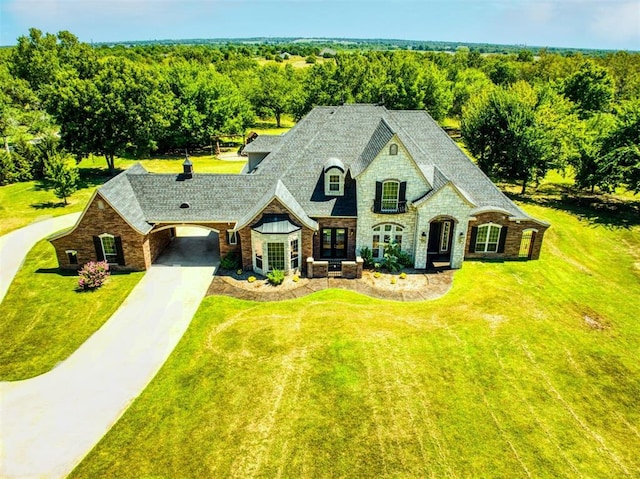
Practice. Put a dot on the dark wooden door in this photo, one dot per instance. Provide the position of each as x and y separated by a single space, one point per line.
333 243
435 231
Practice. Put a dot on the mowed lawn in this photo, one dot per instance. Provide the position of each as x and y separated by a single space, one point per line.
522 370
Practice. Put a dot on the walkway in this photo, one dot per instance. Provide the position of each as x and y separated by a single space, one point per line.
49 423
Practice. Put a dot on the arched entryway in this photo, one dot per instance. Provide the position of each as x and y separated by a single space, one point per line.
440 243
186 245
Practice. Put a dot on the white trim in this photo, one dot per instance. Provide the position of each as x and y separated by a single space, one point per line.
486 242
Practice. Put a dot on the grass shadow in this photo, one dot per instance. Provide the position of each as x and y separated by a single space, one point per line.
595 208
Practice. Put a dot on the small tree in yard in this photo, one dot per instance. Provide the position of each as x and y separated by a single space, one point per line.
62 172
93 275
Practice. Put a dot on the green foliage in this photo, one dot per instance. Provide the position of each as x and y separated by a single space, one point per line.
519 133
275 277
311 59
367 257
62 173
393 259
591 88
231 261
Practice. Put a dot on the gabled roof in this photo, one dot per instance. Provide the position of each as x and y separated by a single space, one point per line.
278 192
293 172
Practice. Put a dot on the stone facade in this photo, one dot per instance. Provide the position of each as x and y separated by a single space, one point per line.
513 241
445 204
385 166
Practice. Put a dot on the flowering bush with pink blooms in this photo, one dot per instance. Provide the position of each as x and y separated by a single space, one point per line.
93 275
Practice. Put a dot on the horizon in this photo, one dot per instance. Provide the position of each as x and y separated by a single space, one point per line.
568 24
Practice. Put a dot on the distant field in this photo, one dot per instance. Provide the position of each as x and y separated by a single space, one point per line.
525 369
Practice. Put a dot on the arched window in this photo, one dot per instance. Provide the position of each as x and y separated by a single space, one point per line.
393 149
383 234
109 250
488 238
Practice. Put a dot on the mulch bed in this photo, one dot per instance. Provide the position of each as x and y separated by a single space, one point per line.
417 286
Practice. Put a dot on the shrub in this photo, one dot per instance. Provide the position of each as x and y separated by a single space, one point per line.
403 275
394 259
251 279
367 257
377 274
230 262
275 277
295 278
310 59
393 280
93 275
239 272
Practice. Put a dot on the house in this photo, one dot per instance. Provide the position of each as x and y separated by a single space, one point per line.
343 178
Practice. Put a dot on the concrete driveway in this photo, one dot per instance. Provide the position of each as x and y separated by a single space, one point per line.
49 423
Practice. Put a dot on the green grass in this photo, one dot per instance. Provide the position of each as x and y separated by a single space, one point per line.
23 203
44 319
523 369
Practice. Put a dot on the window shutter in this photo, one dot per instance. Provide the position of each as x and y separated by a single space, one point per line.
119 251
98 246
377 203
503 239
472 243
402 196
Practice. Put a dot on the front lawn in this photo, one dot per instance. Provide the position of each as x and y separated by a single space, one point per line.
525 369
43 318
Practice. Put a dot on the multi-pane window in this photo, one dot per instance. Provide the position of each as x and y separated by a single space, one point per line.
390 190
295 255
487 238
383 234
109 248
334 182
275 256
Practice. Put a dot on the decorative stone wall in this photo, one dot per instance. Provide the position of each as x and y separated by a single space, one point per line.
350 224
99 218
399 167
513 239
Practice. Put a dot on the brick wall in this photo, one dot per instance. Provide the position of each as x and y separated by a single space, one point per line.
275 207
100 218
513 239
155 243
350 224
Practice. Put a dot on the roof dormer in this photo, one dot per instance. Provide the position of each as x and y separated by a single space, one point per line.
334 173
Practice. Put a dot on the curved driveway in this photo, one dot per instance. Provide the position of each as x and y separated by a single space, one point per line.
49 423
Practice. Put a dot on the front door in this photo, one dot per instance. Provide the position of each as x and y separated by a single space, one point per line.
334 243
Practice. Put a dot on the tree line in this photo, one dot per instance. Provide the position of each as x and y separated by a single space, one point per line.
520 114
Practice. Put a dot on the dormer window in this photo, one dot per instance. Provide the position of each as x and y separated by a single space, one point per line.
334 172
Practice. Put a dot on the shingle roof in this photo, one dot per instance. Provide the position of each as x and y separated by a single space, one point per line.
294 168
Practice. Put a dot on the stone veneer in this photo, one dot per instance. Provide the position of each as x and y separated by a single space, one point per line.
445 204
513 239
400 167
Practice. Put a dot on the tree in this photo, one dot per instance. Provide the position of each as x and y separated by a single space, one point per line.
506 131
620 151
122 110
591 88
469 83
62 173
274 90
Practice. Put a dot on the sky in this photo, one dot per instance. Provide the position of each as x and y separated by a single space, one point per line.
600 24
